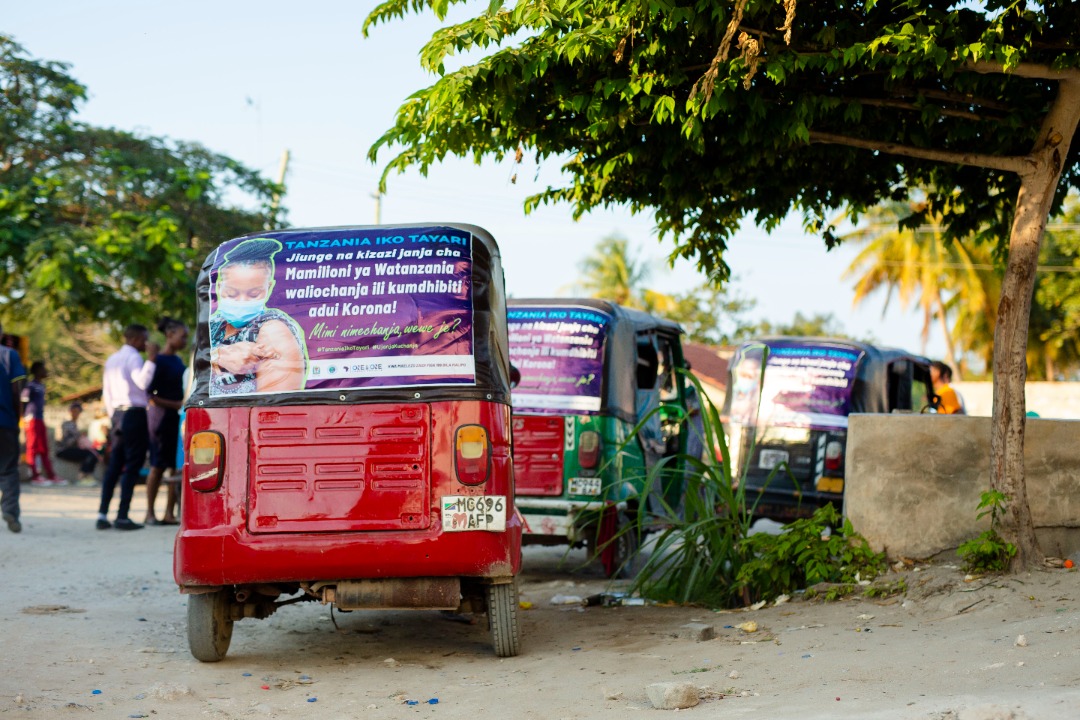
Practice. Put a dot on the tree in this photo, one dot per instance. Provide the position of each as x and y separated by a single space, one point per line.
919 265
816 325
102 225
1055 337
826 105
958 284
712 315
612 272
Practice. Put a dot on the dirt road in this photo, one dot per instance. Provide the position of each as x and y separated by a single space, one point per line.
91 624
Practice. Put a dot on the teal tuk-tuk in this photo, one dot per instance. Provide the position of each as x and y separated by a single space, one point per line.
787 426
598 406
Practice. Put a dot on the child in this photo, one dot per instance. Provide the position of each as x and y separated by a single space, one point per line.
37 441
75 446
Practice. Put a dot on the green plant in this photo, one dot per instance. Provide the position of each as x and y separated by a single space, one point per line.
836 592
697 548
702 551
988 552
805 554
884 590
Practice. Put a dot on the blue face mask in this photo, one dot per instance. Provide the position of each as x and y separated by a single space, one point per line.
239 313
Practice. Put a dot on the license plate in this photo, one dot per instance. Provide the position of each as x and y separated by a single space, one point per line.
768 459
474 512
585 486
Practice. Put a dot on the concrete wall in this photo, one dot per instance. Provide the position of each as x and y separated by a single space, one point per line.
914 481
1049 399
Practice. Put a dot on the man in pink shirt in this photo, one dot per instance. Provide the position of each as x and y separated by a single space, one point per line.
124 393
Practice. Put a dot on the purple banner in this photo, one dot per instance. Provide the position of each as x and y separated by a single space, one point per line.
805 386
333 309
559 352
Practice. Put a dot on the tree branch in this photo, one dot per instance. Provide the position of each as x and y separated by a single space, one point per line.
901 105
1014 164
954 97
1036 71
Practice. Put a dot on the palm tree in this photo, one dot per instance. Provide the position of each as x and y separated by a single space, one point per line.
613 273
921 268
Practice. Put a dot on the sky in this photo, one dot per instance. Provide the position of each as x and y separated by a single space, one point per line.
253 79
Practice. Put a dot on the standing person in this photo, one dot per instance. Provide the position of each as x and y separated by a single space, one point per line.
166 398
12 375
950 402
75 446
37 439
126 379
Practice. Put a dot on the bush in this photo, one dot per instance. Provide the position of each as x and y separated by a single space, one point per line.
988 552
703 553
805 553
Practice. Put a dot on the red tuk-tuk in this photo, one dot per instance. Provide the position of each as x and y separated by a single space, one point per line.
348 434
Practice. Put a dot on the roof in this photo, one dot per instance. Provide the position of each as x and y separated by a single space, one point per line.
709 363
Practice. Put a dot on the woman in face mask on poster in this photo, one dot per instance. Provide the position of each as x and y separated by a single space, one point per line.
254 348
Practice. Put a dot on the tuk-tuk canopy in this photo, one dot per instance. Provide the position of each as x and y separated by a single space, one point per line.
836 377
581 355
352 314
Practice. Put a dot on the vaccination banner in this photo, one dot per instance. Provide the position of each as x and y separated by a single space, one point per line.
805 386
335 309
559 352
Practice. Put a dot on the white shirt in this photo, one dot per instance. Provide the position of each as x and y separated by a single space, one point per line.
126 380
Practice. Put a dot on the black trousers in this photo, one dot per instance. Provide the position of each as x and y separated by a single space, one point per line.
130 440
87 459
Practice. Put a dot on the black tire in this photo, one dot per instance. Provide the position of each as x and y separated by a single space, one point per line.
502 607
210 625
621 564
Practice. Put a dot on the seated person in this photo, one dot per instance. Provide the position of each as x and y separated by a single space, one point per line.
75 446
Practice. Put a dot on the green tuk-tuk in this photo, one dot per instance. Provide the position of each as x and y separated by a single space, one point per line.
597 407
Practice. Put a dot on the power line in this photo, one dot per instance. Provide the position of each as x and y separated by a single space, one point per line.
977 266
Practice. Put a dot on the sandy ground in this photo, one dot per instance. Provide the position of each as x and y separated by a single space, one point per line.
91 623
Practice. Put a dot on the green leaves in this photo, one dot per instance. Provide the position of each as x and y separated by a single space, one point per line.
594 80
100 224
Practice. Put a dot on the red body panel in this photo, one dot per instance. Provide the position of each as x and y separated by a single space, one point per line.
538 454
317 492
319 469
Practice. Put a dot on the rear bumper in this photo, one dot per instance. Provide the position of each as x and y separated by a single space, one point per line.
228 556
558 518
787 504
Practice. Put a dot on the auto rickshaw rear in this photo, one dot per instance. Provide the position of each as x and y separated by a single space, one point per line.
591 372
788 426
348 436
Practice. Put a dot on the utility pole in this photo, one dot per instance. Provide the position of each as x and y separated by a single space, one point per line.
377 195
275 201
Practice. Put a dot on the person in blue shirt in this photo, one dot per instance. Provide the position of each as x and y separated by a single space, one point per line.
12 375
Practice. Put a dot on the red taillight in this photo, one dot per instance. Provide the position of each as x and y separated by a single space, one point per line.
588 453
834 455
472 455
206 461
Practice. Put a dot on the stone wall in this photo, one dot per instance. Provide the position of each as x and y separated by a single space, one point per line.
914 481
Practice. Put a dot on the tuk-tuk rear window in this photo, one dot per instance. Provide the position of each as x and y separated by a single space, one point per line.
559 352
804 385
341 308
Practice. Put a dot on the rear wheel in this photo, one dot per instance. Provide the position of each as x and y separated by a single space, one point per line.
210 625
502 607
619 553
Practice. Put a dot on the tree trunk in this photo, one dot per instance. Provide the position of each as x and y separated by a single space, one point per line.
1037 187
